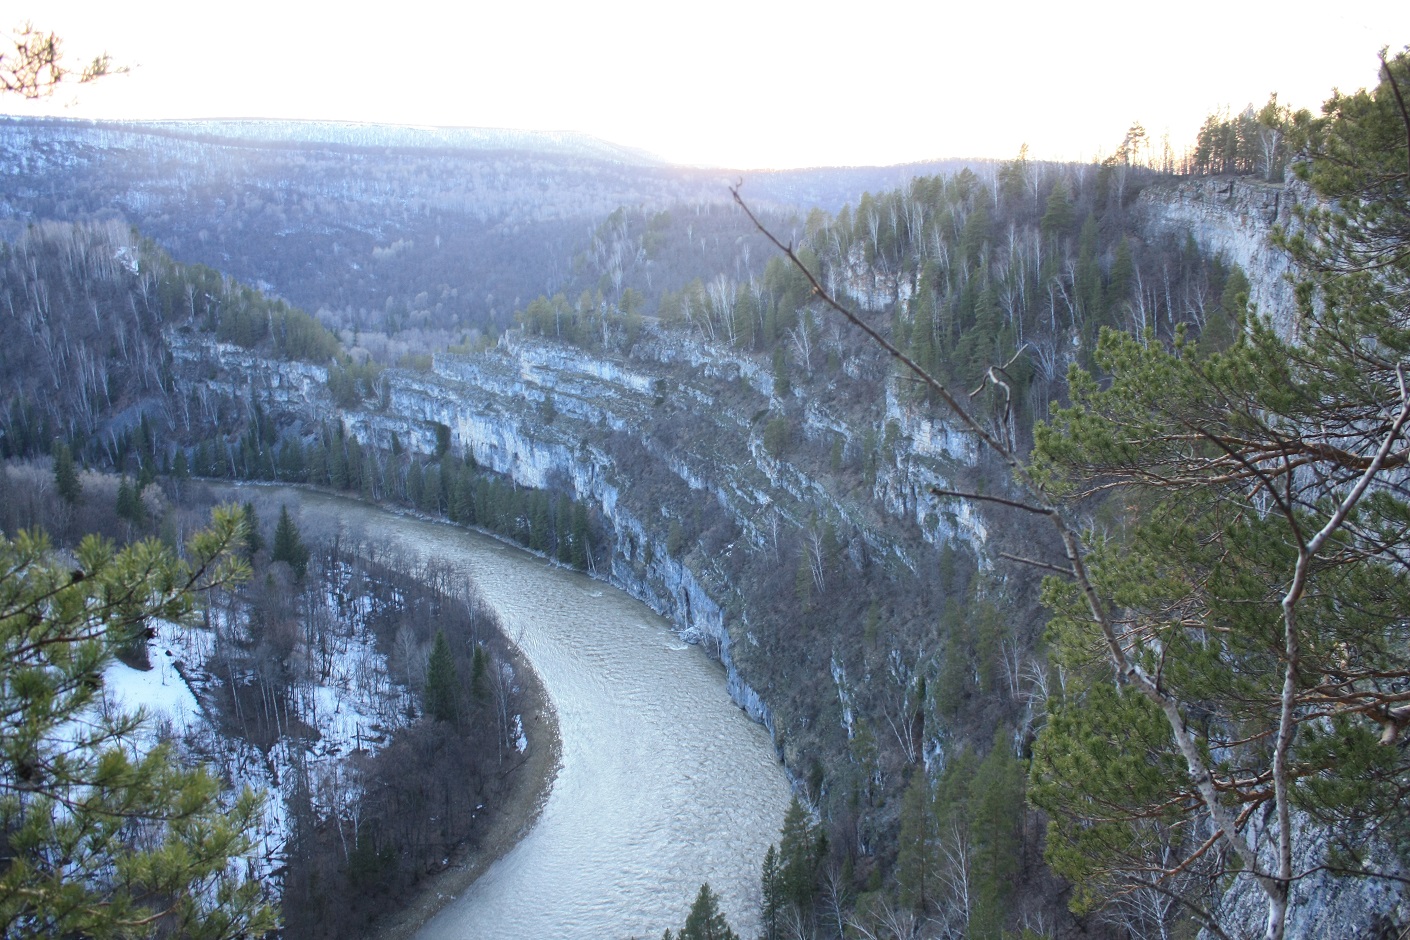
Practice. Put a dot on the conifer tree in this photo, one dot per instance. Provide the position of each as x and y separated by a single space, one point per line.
782 386
582 547
1254 602
706 921
771 881
996 813
288 545
129 502
253 541
915 857
442 696
66 475
800 852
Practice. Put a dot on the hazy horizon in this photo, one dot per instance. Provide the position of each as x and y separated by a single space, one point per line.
738 85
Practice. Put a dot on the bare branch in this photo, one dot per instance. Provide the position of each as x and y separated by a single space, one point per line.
984 498
1056 569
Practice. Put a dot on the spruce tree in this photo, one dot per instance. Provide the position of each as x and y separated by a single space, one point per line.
66 475
288 545
799 855
771 882
442 696
582 548
706 921
782 386
253 540
996 812
126 499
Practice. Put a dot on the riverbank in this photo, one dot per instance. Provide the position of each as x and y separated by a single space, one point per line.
511 820
530 778
661 781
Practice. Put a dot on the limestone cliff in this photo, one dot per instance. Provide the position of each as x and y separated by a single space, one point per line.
1232 218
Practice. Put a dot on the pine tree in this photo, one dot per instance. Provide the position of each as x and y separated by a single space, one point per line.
442 696
1252 604
288 545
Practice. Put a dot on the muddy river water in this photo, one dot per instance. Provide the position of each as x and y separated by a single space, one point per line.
664 783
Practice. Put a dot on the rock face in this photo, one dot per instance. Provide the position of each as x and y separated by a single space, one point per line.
1320 906
660 437
616 422
1233 218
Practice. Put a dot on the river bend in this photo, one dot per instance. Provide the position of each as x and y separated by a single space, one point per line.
664 782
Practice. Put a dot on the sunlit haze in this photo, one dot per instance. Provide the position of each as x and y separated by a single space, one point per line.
736 83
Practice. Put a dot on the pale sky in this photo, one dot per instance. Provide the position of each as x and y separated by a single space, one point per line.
734 83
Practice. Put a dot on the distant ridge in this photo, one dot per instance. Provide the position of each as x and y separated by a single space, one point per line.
358 134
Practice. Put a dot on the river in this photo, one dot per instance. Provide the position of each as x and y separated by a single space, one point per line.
664 782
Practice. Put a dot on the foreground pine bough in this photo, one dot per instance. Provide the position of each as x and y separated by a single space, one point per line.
100 837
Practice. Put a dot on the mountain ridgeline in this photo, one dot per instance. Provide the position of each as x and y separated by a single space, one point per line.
623 374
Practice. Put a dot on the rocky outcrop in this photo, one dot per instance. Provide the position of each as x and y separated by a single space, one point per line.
1233 218
1322 904
547 415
